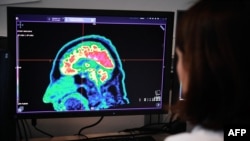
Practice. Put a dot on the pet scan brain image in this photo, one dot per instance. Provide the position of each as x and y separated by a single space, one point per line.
86 74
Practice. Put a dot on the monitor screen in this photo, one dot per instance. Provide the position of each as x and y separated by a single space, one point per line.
82 62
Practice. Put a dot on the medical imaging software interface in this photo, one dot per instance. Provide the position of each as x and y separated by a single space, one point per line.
66 63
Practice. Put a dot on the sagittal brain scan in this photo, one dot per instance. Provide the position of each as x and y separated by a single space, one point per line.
86 74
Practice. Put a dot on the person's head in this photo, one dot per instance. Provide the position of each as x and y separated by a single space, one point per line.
212 43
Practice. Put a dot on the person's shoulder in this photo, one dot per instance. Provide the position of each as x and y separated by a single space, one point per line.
179 137
197 134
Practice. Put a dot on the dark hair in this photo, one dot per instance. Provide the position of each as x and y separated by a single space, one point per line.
214 38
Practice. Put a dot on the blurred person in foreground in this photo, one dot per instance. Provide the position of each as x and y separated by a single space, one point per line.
212 43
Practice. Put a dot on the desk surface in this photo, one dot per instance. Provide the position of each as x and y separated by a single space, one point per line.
158 137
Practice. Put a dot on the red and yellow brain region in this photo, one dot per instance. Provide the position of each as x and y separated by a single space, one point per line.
88 57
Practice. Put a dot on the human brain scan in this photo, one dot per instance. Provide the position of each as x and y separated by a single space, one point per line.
86 74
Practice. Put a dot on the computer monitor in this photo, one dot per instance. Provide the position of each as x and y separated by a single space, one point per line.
83 62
